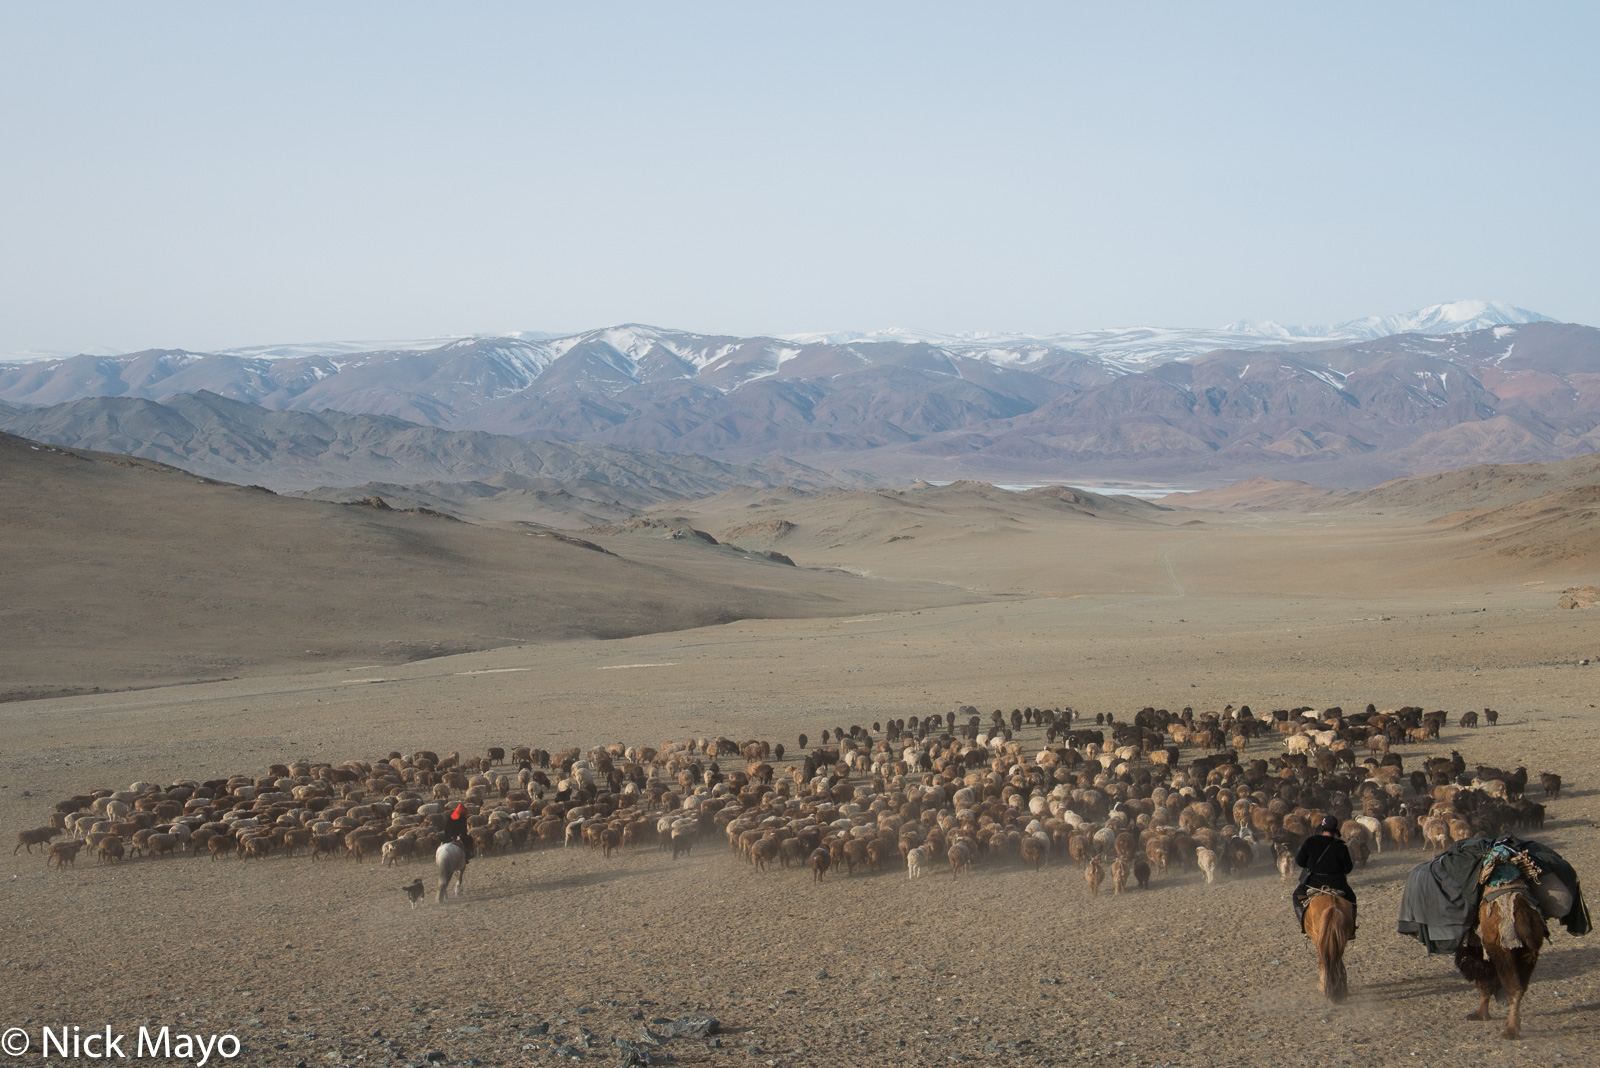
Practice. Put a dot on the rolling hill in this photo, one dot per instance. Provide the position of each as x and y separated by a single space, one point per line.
121 571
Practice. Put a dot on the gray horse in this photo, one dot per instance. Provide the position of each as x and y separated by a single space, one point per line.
451 860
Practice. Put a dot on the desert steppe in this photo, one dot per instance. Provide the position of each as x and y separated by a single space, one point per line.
904 603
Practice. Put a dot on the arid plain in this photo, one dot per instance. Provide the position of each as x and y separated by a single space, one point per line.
903 603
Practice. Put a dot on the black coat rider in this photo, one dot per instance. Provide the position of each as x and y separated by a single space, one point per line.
455 830
1324 861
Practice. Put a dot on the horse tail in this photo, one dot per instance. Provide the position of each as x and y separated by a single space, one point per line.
1329 918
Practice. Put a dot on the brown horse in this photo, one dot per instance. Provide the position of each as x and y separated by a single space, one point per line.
1330 920
1511 930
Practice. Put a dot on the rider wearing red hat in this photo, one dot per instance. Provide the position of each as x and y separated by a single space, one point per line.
455 829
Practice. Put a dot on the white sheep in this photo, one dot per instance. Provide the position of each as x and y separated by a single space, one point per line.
918 861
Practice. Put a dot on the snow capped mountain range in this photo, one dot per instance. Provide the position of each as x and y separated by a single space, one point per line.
1131 345
1467 382
1455 317
1144 344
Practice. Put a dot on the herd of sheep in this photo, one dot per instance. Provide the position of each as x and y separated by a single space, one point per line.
1135 799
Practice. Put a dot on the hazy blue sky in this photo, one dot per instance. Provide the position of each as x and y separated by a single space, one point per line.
222 174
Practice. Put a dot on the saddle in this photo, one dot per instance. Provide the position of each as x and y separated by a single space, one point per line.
1316 891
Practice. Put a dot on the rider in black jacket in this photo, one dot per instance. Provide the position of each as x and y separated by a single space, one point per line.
455 829
1324 861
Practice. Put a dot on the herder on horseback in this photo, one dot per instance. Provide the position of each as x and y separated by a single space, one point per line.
455 830
1324 861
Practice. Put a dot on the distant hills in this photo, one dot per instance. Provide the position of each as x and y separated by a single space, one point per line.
121 572
1539 512
466 471
1464 383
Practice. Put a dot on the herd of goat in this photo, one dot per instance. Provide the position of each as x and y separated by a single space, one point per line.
1112 797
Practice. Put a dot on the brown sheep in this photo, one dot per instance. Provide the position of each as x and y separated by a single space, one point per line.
1032 852
1159 850
1359 851
63 853
1353 832
1078 848
1093 875
397 850
1119 875
259 847
37 836
855 855
110 849
363 845
325 843
1141 873
960 857
762 853
821 860
295 840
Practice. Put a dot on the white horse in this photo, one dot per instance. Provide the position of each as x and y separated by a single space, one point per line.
451 860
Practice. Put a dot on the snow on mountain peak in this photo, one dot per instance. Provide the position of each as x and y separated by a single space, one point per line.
1122 345
1143 344
1454 317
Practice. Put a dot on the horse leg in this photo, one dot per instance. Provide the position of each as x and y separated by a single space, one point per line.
1516 965
1513 1028
1473 966
1485 993
1515 968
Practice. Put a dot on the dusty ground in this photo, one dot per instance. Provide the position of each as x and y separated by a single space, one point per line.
326 964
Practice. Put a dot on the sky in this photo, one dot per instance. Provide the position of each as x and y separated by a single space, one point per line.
206 176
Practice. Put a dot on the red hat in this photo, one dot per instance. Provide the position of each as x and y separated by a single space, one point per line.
460 812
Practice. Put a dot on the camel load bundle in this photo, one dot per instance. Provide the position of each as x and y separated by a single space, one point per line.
1488 901
1442 897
